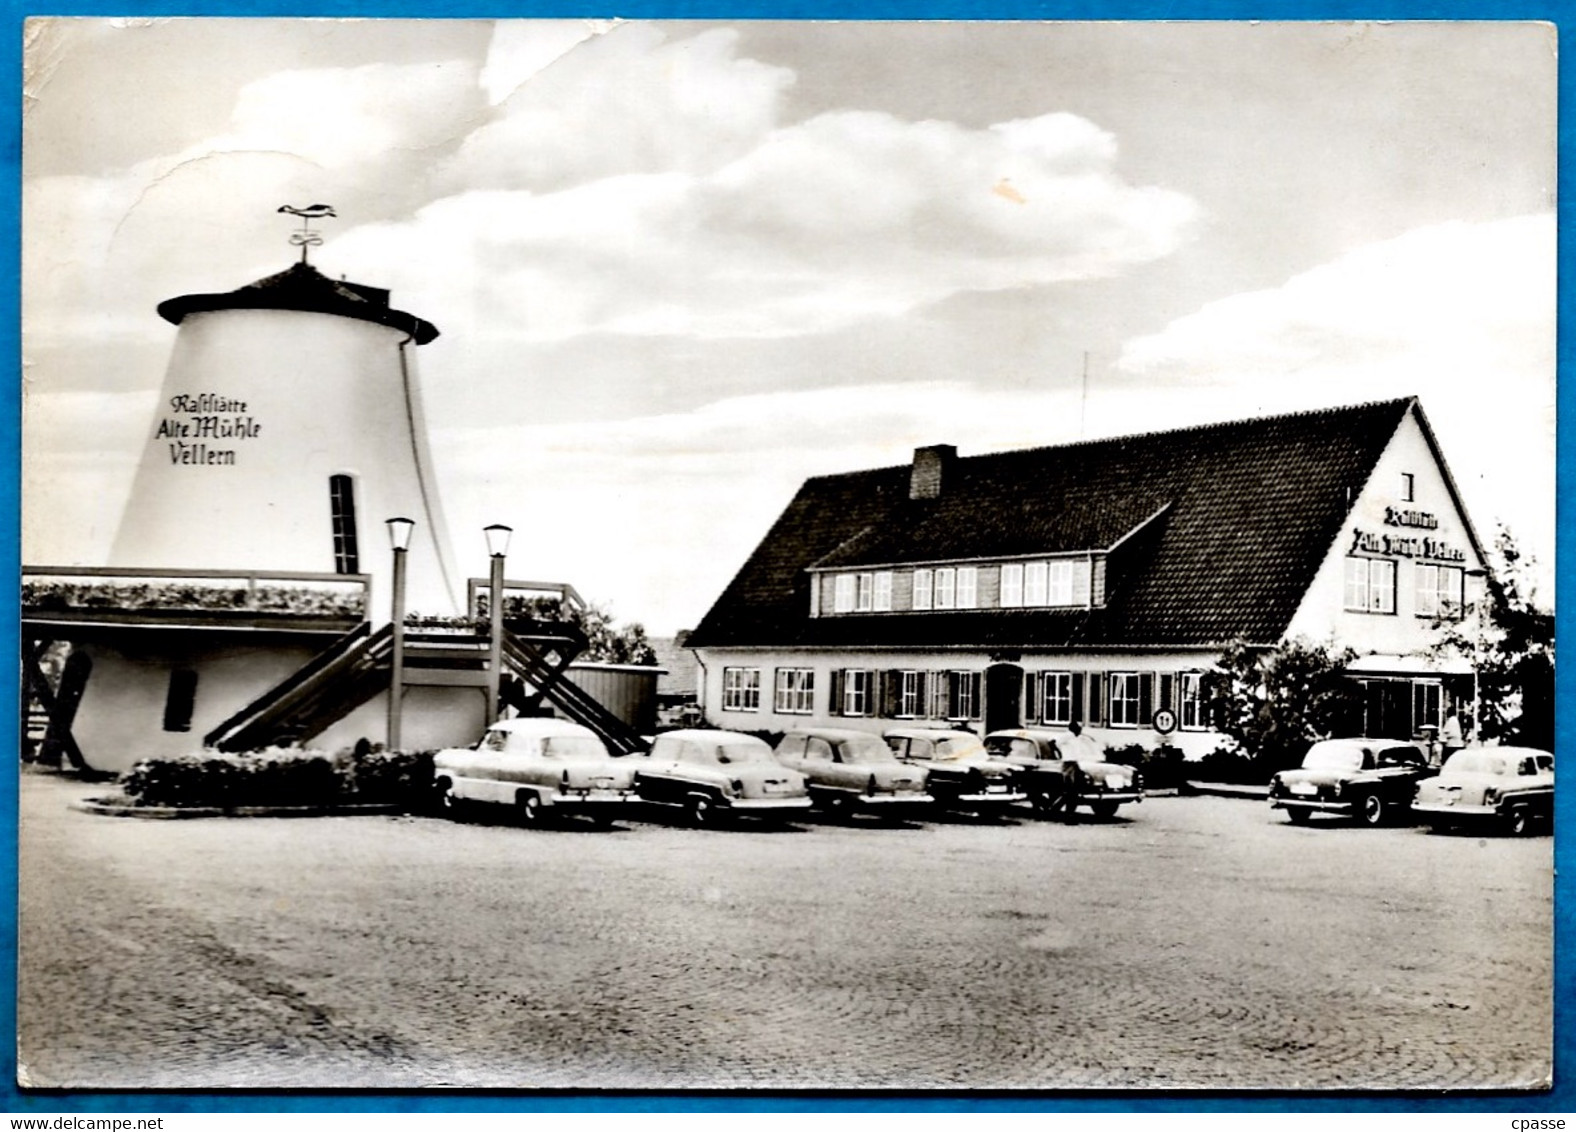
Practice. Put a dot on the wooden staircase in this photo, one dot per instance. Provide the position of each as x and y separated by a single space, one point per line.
359 665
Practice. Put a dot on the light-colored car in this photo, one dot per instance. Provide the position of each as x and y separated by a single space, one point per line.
1511 787
1372 780
535 766
845 769
961 773
714 772
1060 785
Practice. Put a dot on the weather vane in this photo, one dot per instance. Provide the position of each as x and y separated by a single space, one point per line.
305 237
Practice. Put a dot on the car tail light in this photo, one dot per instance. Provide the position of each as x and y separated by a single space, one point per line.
737 786
566 780
1336 790
871 787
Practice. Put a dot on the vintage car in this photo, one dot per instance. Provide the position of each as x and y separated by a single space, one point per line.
1060 785
535 766
847 769
1372 780
961 773
714 772
1511 787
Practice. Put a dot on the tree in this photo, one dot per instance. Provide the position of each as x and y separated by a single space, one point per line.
605 641
613 644
1510 640
1276 702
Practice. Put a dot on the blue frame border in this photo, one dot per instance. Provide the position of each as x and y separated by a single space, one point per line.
1563 1097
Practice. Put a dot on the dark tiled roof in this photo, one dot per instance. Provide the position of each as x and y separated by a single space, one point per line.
302 287
1251 510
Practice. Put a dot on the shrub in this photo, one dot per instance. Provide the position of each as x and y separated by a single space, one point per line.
282 777
401 778
1233 765
1159 769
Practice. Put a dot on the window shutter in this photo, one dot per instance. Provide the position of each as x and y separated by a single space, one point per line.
1168 697
1146 698
1031 698
921 693
891 690
836 706
1096 699
1078 697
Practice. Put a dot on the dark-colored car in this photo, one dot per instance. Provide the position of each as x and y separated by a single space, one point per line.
962 774
1057 784
1371 780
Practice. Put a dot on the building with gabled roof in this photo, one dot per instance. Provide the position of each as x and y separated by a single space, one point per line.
1095 581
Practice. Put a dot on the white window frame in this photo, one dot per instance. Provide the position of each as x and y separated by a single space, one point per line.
883 595
968 587
940 695
741 688
1011 585
843 593
946 595
908 698
1366 590
795 692
924 580
966 703
857 691
1434 598
1035 581
1190 694
1056 698
864 592
1059 583
1122 699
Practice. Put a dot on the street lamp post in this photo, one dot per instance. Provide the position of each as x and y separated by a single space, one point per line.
497 548
399 541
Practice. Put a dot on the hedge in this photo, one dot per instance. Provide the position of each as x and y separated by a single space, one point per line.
280 776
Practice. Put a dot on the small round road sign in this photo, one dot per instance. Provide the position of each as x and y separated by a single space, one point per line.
1165 721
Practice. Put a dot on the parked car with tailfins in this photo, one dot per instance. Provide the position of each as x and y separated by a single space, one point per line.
1508 787
1371 780
847 769
1060 785
961 773
710 773
535 766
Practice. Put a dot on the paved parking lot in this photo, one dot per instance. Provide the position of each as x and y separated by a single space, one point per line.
1191 942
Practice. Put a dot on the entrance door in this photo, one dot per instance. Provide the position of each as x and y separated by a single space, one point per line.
1388 709
1003 697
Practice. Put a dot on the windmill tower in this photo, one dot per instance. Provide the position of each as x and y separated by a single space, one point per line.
289 427
252 597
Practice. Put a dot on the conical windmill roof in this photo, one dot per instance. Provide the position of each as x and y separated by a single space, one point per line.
302 287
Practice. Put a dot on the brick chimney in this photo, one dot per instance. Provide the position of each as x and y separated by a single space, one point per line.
930 466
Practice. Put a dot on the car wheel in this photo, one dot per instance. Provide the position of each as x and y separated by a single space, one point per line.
1373 810
1298 815
530 806
1518 823
1105 811
700 810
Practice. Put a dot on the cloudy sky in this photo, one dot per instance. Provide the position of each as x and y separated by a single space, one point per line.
679 267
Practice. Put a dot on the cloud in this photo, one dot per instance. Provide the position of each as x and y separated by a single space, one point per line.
1454 301
625 101
1462 315
847 217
